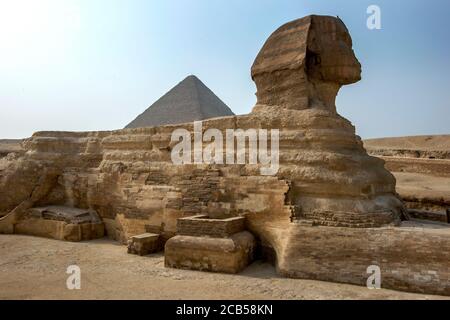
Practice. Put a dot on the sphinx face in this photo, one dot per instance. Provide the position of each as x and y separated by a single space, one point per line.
330 57
304 63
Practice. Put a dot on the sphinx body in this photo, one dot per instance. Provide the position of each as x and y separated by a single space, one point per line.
319 207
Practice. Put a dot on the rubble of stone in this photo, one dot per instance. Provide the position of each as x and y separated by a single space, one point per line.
329 213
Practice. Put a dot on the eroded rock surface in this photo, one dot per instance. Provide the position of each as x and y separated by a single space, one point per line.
325 176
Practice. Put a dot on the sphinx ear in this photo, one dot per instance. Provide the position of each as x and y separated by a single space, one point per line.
313 59
313 62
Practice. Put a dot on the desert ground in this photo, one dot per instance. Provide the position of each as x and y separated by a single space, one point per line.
421 166
424 143
35 268
416 184
9 145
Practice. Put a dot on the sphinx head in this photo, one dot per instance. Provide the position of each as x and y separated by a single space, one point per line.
304 63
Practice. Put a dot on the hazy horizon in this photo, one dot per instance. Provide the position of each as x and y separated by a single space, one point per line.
83 65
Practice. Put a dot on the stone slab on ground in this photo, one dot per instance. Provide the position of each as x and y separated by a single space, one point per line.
144 244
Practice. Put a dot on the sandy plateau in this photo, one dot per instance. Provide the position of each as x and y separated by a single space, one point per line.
421 166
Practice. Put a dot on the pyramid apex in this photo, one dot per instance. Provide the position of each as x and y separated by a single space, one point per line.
192 77
190 100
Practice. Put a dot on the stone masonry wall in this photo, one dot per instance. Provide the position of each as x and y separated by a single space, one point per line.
203 226
410 258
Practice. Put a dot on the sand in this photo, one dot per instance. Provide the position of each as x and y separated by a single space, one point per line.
35 268
422 185
10 144
425 143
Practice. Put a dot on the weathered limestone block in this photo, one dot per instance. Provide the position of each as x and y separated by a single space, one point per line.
203 225
57 222
227 255
60 230
144 244
62 223
210 244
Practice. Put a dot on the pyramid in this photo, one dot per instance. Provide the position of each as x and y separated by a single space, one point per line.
188 101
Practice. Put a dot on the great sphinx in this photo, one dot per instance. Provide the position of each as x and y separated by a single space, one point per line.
330 211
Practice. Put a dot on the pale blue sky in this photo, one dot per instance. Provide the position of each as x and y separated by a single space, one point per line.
97 64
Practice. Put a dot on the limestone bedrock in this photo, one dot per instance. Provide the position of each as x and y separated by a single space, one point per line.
325 176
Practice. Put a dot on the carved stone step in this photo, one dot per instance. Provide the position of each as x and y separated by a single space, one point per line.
203 226
228 255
